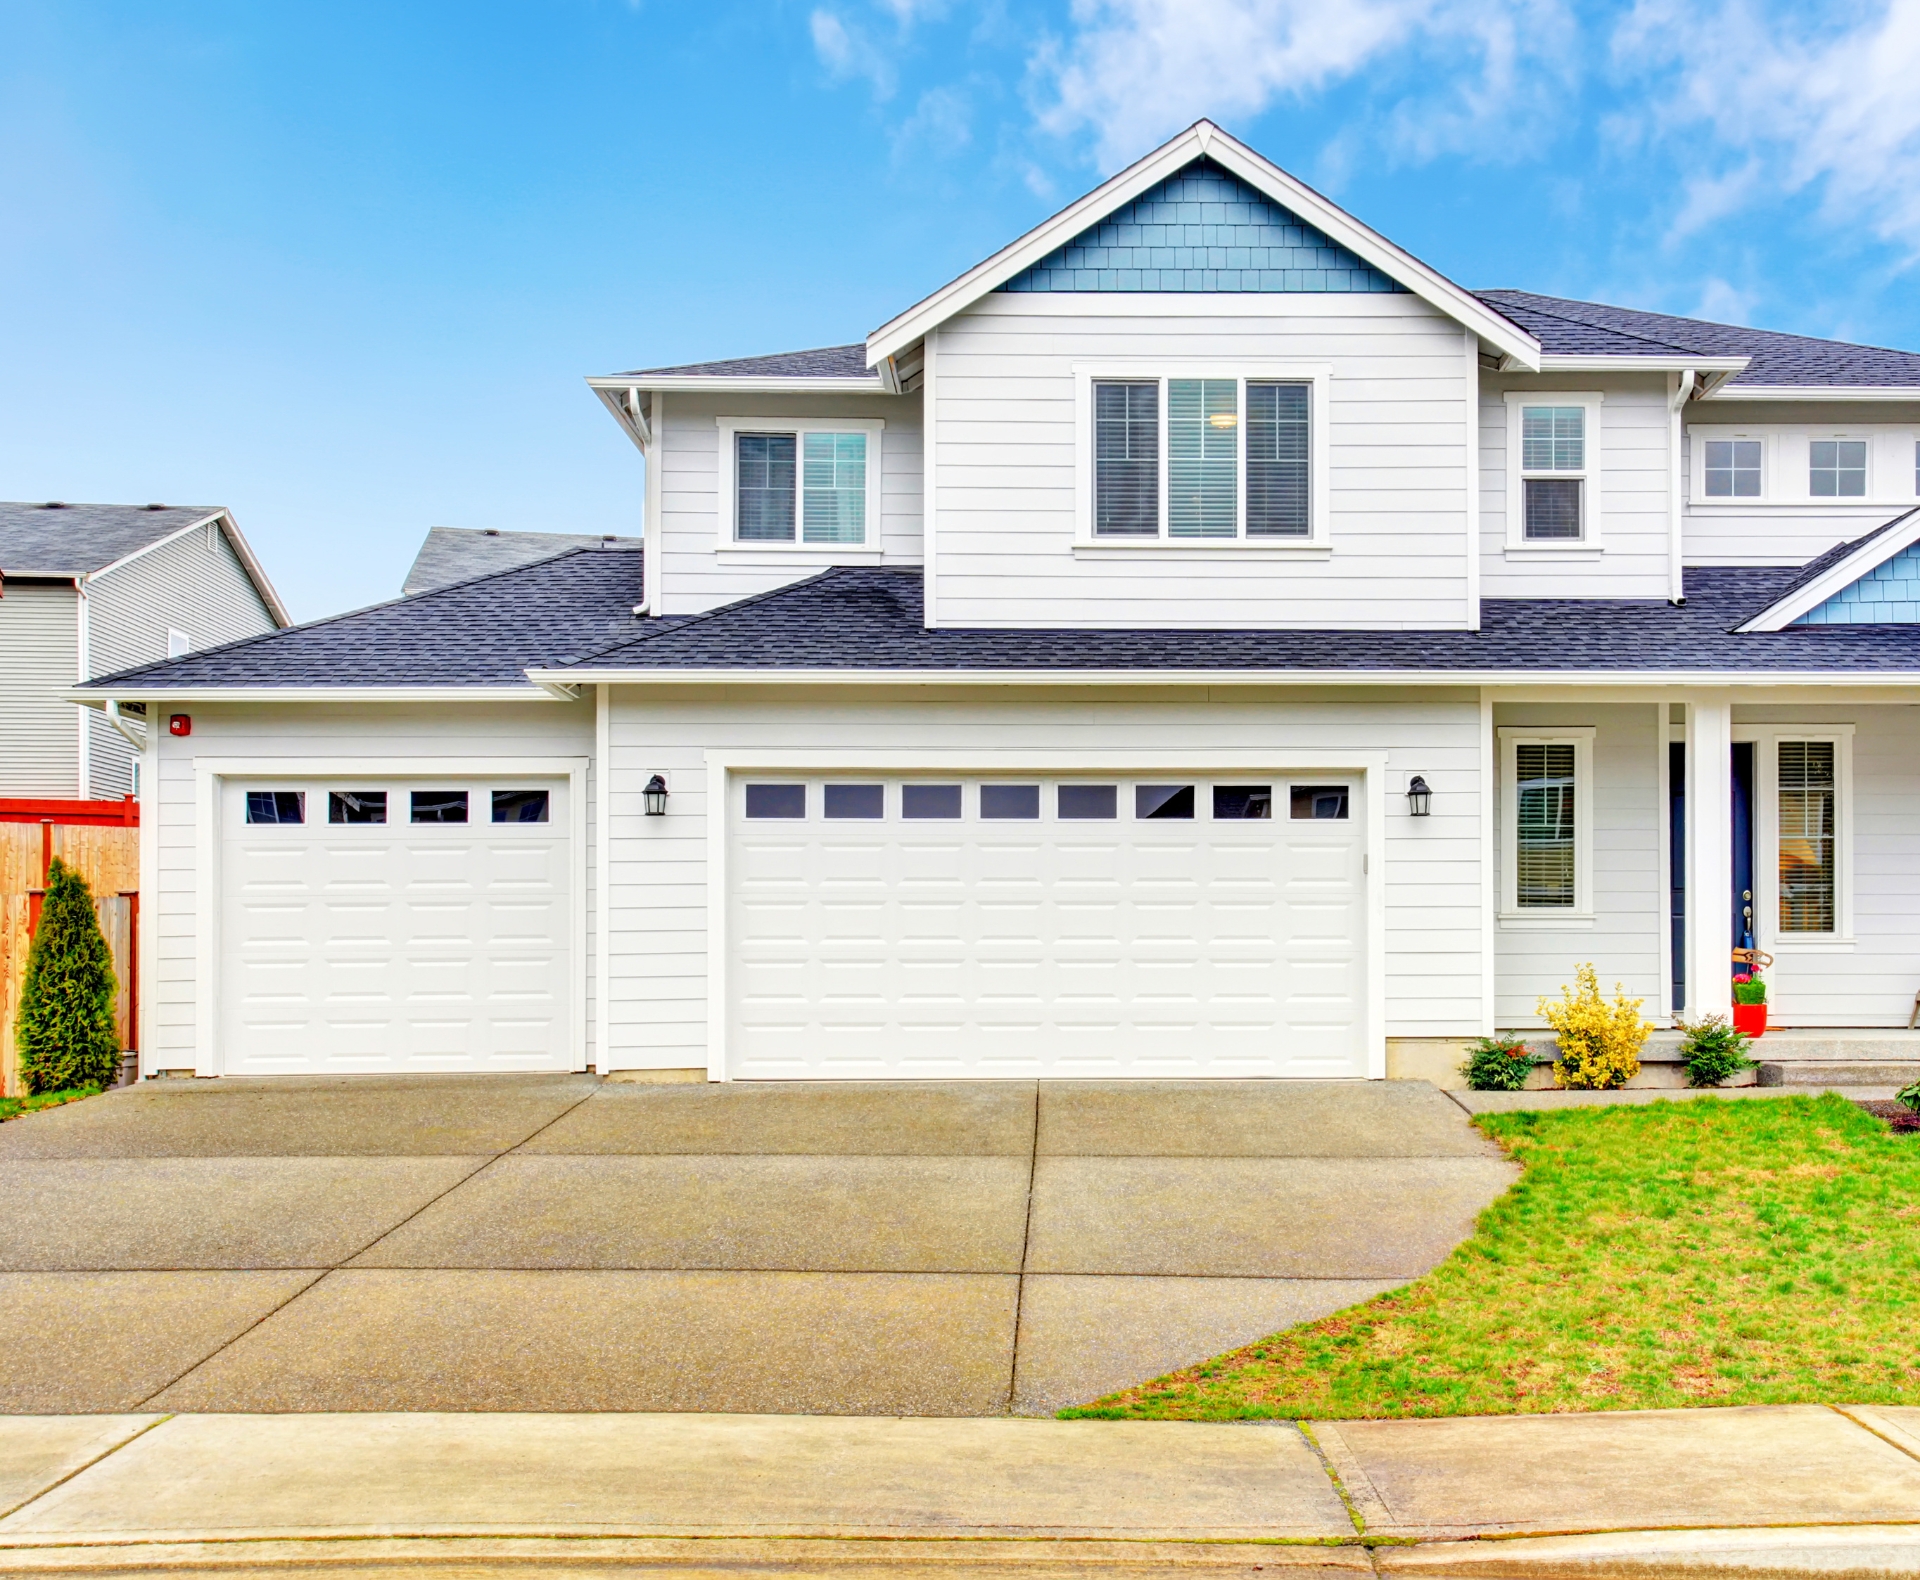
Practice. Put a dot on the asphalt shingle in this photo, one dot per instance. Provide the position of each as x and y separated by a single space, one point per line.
824 362
45 539
458 554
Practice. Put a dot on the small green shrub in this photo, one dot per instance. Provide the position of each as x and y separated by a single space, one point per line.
1497 1064
1714 1051
1910 1095
1749 990
64 1030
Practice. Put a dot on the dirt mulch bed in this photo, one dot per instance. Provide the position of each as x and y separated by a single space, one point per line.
1898 1116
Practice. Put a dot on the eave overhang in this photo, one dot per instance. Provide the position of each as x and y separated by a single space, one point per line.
1159 678
1899 534
1816 392
546 690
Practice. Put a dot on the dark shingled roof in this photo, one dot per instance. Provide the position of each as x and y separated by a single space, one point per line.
853 619
40 539
458 554
1566 328
484 632
826 362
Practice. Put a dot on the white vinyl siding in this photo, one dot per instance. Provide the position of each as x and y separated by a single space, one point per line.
1014 538
39 659
1430 950
694 549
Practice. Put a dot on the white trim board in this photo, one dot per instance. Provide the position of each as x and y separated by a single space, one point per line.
210 773
1634 682
1204 139
721 766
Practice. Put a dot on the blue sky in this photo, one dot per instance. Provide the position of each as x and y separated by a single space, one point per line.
342 267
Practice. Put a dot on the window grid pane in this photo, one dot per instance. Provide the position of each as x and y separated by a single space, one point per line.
834 492
1838 469
1733 468
1203 458
1552 509
1279 497
1544 860
1806 837
1553 439
1126 460
763 487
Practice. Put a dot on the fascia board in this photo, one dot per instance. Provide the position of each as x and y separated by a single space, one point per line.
1665 362
1778 616
756 384
1814 392
536 691
1157 678
1205 138
269 595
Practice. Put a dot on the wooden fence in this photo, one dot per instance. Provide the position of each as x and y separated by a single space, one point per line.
102 841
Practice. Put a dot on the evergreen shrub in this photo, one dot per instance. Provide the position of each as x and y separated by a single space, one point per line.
64 1029
1713 1051
1497 1064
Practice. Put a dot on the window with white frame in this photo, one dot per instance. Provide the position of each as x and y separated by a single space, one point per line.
1808 818
1205 459
800 485
1546 815
1553 473
1837 468
1733 468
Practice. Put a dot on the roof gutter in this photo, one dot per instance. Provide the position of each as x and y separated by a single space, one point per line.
548 690
750 384
1720 390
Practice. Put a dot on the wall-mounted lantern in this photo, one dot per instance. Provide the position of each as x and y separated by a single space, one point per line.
656 796
1419 797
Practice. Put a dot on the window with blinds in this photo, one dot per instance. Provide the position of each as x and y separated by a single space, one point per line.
1279 502
1203 458
763 476
1808 816
833 487
1553 465
1126 460
1545 860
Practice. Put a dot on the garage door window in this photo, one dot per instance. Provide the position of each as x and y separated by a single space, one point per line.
1089 801
1317 801
1232 802
439 806
519 806
930 801
856 801
356 806
1163 800
276 806
1010 801
776 801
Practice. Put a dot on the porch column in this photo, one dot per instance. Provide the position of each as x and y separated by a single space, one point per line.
1709 854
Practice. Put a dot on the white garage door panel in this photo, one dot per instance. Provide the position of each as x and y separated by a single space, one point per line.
393 947
1123 947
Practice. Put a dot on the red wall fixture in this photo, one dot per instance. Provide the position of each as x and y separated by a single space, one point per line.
180 724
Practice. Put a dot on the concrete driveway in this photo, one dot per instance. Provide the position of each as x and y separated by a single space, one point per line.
561 1243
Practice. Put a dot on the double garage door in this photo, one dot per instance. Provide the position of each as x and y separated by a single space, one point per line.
394 925
1091 926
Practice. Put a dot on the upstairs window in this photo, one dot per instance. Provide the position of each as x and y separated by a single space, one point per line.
802 486
1203 459
1553 471
1837 468
1733 469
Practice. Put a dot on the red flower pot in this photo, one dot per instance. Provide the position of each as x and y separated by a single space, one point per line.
1750 1019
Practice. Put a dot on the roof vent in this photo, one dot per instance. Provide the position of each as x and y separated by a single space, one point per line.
492 532
609 538
156 507
54 504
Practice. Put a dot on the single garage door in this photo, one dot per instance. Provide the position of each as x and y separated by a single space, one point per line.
1153 927
393 925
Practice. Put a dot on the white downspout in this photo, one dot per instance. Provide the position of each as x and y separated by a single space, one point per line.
83 643
137 739
651 569
1684 384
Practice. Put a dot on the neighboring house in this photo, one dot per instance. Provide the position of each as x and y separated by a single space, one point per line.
457 554
88 590
1200 640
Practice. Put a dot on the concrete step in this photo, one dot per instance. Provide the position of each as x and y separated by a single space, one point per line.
1839 1072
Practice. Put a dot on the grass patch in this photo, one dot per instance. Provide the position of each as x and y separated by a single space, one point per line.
14 1107
1681 1253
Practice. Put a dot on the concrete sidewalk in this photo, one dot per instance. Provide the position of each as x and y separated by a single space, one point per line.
1788 1490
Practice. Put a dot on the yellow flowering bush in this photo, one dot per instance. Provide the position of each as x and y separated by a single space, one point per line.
1600 1042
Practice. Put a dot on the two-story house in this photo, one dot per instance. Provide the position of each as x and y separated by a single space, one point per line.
89 590
1201 640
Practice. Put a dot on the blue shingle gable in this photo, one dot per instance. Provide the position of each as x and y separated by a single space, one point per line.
1889 594
1202 229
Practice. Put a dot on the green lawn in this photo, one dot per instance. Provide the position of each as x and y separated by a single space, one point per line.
14 1107
1682 1253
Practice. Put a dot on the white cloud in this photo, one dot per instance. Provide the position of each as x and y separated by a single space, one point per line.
846 51
1831 107
1721 303
1135 71
941 124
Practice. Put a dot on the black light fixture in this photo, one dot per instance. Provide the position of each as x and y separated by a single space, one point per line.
1419 797
656 796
